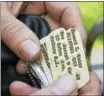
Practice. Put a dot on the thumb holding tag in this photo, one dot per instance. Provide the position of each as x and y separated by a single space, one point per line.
66 85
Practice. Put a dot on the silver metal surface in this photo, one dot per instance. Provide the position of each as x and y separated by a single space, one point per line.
37 71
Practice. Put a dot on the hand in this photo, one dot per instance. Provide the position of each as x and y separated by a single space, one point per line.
66 85
22 41
92 87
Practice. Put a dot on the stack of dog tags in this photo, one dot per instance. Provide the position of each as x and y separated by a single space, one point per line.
61 54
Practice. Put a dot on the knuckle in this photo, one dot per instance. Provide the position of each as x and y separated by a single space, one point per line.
10 32
93 74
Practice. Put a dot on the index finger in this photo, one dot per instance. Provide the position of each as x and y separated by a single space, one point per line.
68 16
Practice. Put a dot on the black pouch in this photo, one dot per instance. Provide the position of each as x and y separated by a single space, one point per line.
8 59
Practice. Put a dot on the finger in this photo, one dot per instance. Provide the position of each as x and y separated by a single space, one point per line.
68 15
92 87
21 40
66 85
15 7
34 8
21 67
52 23
18 88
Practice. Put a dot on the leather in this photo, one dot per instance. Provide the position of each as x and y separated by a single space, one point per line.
8 59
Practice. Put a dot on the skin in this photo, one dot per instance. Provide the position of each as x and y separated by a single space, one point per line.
91 88
19 39
14 32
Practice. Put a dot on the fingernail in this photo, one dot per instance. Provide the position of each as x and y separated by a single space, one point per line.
28 49
21 68
65 85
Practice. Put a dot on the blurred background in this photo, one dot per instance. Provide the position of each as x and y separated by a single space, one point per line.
92 15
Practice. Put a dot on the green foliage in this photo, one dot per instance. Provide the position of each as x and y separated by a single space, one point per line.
91 12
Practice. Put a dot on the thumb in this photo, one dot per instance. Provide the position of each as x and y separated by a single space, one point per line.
66 85
21 40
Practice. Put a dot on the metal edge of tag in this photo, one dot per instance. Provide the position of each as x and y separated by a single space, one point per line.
40 73
34 71
30 75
